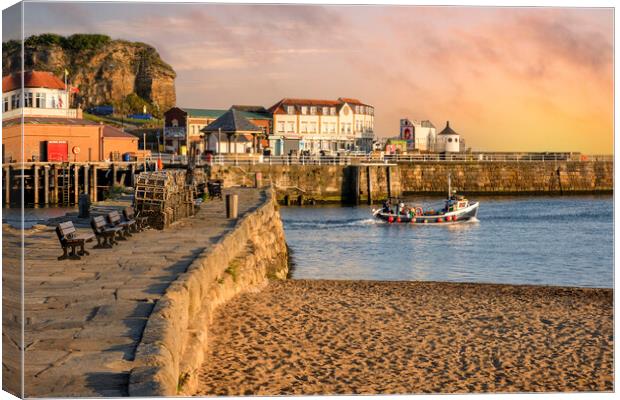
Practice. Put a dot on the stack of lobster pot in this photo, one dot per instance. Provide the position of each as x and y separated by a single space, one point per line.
163 197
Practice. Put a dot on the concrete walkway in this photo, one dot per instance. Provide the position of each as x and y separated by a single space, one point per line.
84 319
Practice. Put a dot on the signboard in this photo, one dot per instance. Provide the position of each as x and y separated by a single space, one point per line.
57 150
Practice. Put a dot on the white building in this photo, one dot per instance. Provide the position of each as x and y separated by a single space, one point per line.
420 136
44 95
321 125
448 140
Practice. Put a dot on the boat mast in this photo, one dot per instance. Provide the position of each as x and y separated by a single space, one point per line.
449 186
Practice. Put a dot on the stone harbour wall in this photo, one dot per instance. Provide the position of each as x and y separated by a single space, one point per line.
353 183
175 338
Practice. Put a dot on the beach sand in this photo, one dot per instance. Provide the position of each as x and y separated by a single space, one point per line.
346 337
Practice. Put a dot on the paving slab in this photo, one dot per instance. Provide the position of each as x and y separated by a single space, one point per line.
84 318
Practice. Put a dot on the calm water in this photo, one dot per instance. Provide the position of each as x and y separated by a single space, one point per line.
566 241
33 216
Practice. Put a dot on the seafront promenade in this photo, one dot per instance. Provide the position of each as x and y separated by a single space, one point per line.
300 337
84 319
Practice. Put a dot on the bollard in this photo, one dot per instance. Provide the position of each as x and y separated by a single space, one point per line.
232 201
84 205
258 180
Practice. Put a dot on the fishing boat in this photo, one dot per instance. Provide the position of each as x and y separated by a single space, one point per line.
457 209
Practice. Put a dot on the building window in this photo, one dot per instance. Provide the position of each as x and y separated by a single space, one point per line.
304 110
28 99
449 140
332 110
53 102
6 104
15 101
313 127
304 126
291 127
40 100
325 110
281 127
290 110
313 110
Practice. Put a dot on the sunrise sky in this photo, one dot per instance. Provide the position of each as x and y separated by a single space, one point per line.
508 79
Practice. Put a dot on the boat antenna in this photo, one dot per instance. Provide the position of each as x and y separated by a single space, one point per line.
449 186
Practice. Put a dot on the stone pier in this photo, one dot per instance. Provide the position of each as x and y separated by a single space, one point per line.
84 319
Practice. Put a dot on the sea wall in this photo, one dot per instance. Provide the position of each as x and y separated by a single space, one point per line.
353 183
175 338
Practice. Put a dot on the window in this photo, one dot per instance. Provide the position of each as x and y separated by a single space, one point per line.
281 126
6 104
40 100
28 100
304 110
15 101
333 110
53 102
449 140
325 110
313 127
290 110
304 127
313 110
291 127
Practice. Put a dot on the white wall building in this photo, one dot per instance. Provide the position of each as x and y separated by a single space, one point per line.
420 136
44 96
448 140
321 125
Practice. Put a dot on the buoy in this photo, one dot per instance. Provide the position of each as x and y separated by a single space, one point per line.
390 219
397 219
439 220
413 220
454 218
425 221
448 218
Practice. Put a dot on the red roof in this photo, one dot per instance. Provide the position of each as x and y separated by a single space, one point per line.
111 132
32 79
278 108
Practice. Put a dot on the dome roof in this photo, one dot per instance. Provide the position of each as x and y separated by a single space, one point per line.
447 130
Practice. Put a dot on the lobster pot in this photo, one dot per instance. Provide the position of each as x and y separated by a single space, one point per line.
163 197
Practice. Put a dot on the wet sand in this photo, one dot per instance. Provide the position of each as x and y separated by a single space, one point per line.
346 337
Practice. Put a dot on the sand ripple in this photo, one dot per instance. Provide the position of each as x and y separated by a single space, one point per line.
344 337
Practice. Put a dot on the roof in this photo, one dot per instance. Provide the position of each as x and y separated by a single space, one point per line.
232 121
32 79
48 121
203 112
253 112
427 124
111 132
447 130
279 106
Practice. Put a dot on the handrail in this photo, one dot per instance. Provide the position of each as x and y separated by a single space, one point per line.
344 160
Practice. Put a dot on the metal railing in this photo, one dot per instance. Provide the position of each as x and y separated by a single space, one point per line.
253 159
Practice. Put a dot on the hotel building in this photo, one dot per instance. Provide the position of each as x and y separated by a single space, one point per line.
321 125
49 129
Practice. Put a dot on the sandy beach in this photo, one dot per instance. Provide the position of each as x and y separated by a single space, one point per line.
346 337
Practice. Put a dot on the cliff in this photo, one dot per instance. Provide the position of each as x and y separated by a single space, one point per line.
106 71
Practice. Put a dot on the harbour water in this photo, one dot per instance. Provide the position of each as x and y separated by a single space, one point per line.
32 215
563 241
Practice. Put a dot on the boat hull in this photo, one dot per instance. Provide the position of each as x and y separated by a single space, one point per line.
455 217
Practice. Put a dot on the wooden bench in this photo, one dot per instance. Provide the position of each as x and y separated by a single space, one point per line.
103 232
215 189
68 237
141 222
114 218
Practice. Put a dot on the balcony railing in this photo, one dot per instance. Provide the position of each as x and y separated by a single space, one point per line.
43 112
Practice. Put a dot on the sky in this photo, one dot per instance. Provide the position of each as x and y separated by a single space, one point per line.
507 79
